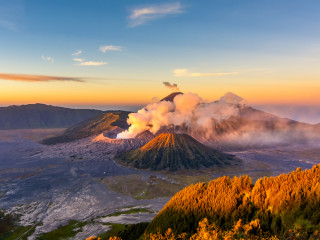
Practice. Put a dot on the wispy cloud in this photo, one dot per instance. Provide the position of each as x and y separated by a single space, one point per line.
47 59
184 72
83 62
8 25
91 63
181 72
106 48
212 74
142 15
78 59
12 14
77 53
173 86
36 78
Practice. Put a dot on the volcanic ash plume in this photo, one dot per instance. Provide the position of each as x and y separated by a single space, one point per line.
186 109
173 86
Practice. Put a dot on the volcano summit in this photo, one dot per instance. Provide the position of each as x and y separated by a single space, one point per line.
174 152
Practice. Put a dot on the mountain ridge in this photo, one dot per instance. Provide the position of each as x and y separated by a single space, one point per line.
32 116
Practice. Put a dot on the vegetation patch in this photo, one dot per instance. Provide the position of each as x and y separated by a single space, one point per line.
120 231
143 187
116 228
131 211
63 232
10 228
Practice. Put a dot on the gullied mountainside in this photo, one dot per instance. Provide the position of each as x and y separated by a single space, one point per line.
146 135
175 151
282 205
42 116
96 125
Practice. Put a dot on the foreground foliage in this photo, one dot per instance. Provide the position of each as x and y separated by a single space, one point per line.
281 203
284 207
207 231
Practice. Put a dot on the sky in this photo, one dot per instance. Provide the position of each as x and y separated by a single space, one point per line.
128 53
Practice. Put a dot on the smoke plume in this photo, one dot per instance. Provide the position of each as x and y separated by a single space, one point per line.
227 123
187 110
173 86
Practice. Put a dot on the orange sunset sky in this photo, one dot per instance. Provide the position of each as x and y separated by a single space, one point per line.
122 53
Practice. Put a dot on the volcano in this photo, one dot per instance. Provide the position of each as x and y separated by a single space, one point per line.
171 151
170 97
103 122
244 126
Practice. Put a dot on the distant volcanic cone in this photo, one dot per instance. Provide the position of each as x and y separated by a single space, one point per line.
170 97
170 151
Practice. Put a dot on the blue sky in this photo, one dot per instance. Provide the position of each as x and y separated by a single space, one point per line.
265 51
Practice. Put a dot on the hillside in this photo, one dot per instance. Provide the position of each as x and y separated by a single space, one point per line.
281 205
42 116
96 125
174 152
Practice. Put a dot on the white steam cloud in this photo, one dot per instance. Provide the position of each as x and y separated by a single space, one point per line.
186 110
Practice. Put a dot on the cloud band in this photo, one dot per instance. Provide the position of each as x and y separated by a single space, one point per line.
36 78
